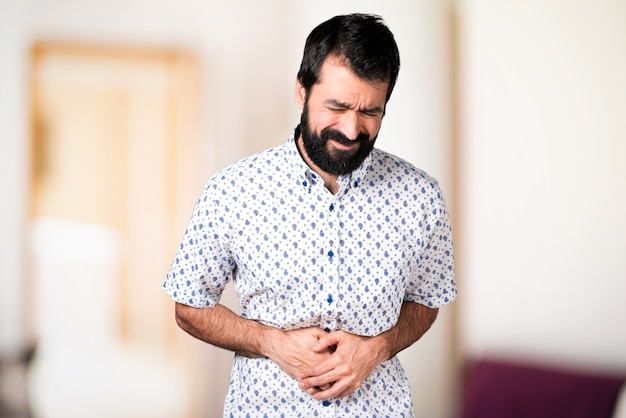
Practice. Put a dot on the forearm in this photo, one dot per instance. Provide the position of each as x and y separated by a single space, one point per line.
291 351
415 319
221 327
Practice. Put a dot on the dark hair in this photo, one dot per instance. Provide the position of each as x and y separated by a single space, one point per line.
363 41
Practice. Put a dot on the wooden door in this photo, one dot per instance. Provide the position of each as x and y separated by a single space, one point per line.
114 146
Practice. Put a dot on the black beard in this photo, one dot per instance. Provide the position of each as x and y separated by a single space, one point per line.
337 162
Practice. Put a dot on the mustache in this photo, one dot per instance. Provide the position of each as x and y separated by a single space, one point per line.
334 134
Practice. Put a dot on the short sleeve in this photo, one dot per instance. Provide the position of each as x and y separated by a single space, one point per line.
202 267
432 282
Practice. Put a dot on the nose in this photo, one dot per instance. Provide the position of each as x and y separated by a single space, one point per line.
350 125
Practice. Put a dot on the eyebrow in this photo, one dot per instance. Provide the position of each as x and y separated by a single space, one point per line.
342 105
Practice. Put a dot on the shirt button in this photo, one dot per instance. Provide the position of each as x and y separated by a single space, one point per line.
326 403
332 207
331 254
330 299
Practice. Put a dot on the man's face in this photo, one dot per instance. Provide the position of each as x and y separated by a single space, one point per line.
340 120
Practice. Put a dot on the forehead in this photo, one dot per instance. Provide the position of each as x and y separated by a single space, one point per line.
337 82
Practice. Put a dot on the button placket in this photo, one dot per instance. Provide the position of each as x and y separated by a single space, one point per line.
330 315
327 409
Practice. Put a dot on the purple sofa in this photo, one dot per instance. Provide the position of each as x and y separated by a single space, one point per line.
507 389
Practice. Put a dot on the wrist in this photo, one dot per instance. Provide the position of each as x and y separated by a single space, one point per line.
269 341
384 345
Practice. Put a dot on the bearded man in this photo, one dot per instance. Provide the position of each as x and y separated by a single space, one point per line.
340 253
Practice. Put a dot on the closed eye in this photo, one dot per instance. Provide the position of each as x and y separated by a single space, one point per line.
375 113
337 106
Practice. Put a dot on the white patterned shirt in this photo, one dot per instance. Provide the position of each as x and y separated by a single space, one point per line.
301 257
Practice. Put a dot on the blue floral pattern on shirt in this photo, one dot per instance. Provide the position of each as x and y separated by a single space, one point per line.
301 256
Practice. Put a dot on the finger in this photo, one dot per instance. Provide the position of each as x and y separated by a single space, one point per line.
335 391
319 383
307 385
327 341
321 371
312 391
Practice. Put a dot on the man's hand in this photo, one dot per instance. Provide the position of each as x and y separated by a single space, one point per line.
327 365
353 360
355 357
294 350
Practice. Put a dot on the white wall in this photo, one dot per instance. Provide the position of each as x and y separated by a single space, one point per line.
542 179
250 52
13 157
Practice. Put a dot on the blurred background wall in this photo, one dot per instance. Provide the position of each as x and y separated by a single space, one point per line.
542 157
518 108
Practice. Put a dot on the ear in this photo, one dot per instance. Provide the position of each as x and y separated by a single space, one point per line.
300 92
